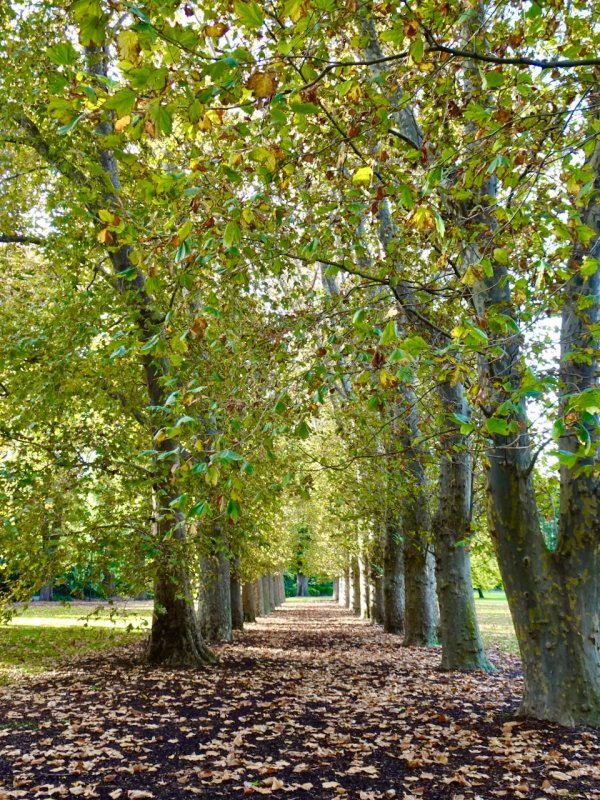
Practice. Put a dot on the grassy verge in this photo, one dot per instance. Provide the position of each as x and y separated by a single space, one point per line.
42 635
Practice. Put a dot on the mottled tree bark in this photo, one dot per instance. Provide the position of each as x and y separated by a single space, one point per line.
266 594
214 595
336 590
175 637
393 578
237 610
355 582
271 585
364 574
462 647
250 601
262 611
301 585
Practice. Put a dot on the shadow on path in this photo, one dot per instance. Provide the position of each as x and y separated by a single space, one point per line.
307 703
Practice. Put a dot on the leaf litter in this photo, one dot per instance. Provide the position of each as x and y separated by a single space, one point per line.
309 702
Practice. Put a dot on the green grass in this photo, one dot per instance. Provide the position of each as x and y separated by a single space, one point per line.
44 634
495 622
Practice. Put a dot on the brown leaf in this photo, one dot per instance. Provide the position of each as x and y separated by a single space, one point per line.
262 84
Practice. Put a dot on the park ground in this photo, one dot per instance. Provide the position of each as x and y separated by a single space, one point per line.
309 702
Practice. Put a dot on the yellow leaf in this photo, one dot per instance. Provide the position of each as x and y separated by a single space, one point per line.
422 219
354 94
387 380
129 46
262 84
216 30
122 123
362 176
105 236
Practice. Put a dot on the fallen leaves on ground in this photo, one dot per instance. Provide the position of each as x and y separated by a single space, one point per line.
309 703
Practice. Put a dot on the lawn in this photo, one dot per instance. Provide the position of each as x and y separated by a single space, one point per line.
44 633
40 636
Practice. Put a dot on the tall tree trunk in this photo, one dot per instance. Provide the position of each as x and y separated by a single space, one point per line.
46 593
250 601
462 647
336 590
301 585
237 611
342 591
266 594
262 611
175 638
376 601
421 616
345 596
554 597
280 588
355 579
393 578
214 596
271 585
364 575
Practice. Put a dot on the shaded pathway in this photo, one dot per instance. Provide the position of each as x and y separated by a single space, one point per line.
309 702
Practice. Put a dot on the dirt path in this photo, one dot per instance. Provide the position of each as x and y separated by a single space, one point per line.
308 703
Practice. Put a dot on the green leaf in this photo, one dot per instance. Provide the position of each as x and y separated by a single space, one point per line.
494 79
179 502
227 456
390 333
122 102
501 255
70 125
62 54
359 316
499 426
199 509
589 266
162 119
305 108
233 510
362 176
302 430
249 13
417 50
232 234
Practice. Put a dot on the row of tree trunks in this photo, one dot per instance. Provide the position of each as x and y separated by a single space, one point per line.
261 596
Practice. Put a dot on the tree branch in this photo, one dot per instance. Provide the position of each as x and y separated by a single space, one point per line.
10 239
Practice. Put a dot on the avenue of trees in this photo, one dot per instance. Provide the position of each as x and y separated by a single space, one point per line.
307 285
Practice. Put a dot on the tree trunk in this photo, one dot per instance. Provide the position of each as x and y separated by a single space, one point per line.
343 591
266 595
280 588
393 579
336 590
175 638
237 611
214 596
301 585
250 601
258 584
271 585
364 575
46 593
462 647
355 580
421 617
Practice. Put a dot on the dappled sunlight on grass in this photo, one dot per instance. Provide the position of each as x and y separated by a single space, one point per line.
40 638
496 624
